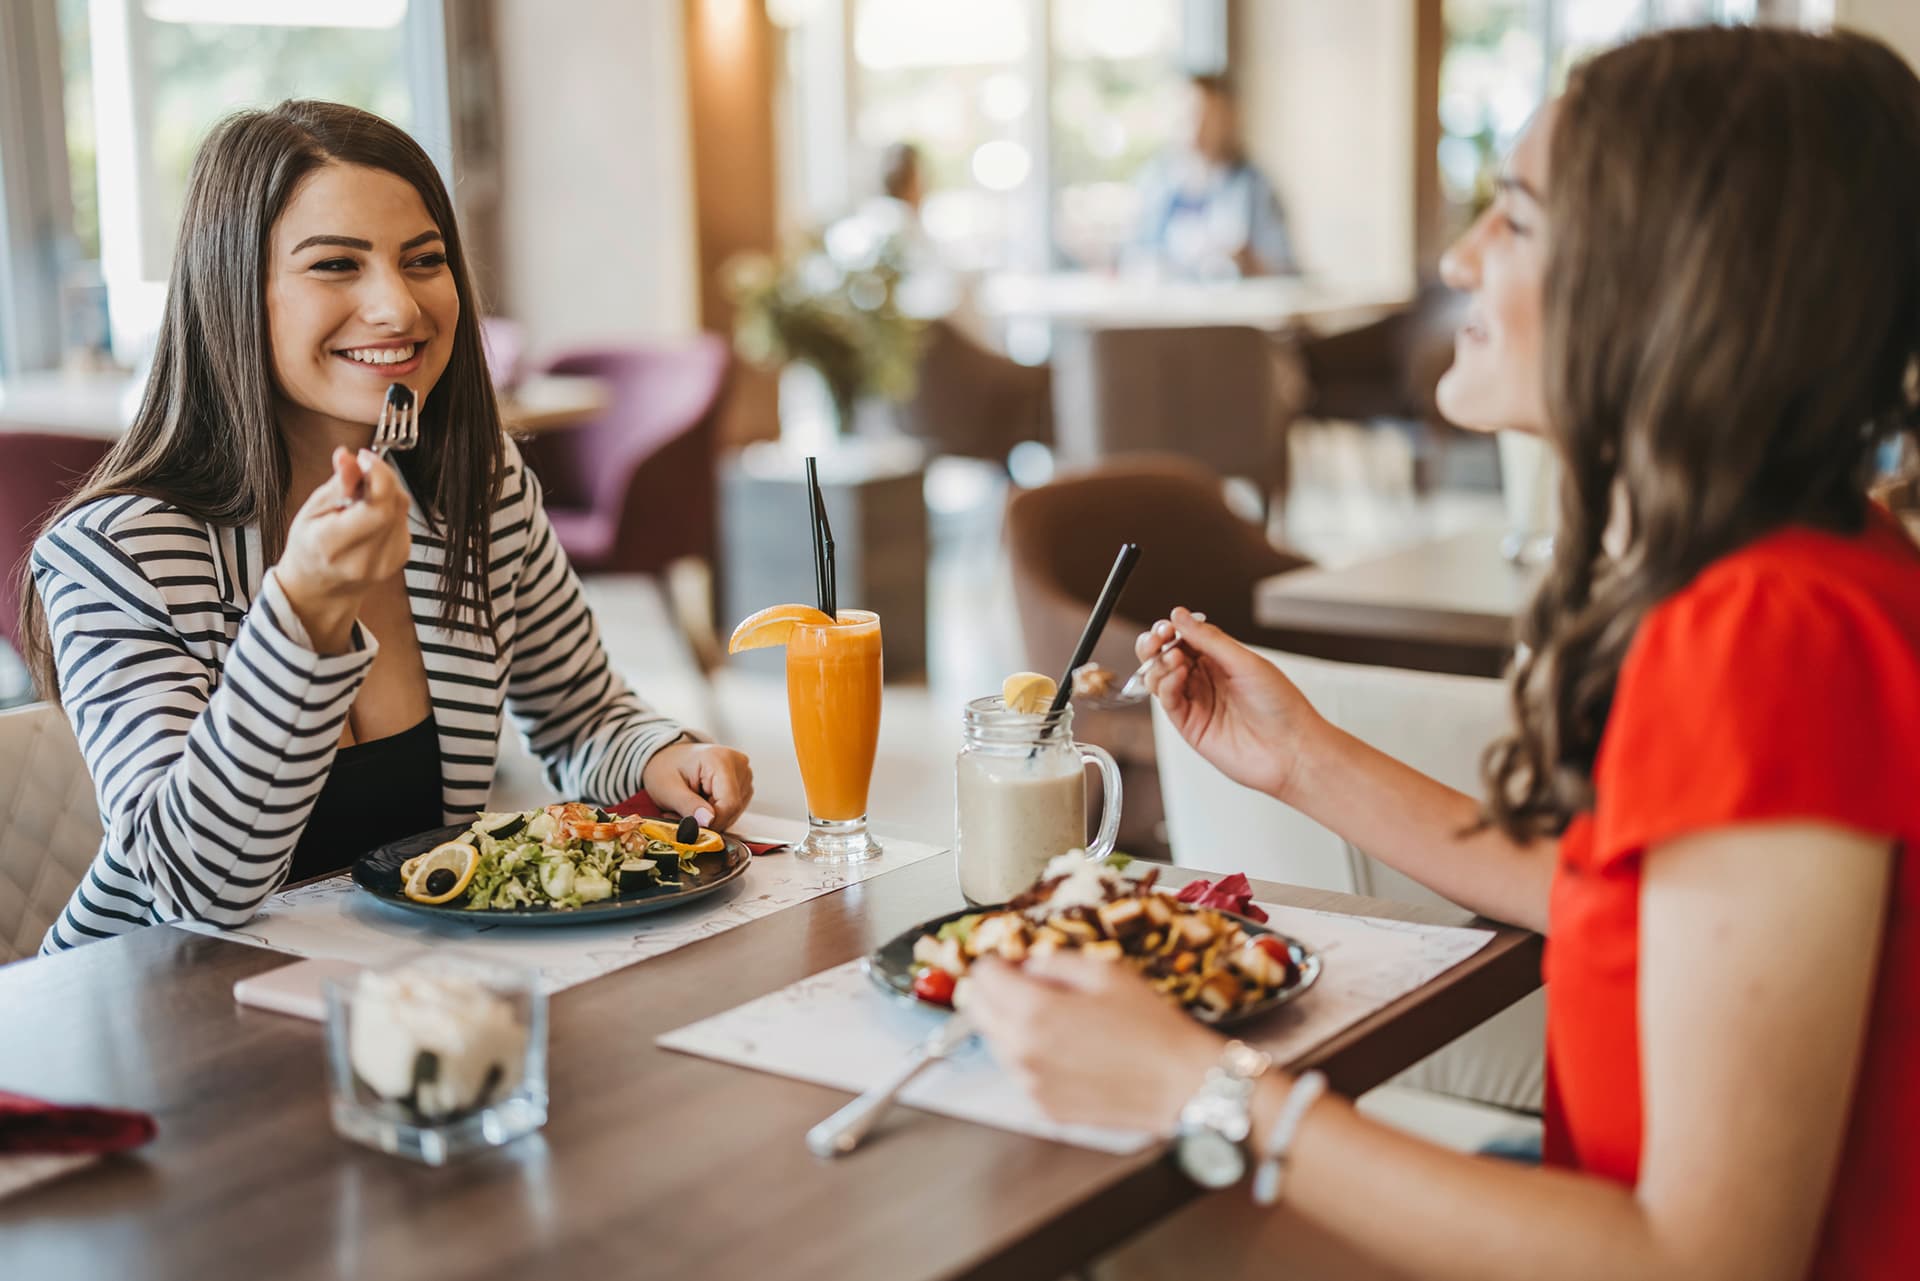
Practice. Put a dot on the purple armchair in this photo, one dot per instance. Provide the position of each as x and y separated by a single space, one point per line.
37 472
634 490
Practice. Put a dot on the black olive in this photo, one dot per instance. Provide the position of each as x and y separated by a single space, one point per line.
688 832
440 880
601 816
509 828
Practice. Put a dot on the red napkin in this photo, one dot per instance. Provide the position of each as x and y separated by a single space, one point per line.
1228 894
36 1126
642 806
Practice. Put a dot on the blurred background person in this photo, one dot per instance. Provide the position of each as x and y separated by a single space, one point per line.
931 286
1207 212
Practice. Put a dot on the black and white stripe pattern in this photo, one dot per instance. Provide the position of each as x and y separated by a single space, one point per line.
209 723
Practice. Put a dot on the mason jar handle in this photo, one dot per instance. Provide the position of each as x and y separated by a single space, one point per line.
1109 799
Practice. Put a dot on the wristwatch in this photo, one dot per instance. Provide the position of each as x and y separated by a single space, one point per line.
1216 1121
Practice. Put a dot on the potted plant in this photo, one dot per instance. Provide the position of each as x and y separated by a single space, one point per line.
834 311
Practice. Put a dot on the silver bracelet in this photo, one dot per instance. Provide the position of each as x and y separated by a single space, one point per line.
1306 1091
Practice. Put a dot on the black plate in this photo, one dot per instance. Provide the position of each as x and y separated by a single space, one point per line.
378 873
891 964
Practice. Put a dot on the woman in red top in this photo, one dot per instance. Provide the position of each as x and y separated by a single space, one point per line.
1701 281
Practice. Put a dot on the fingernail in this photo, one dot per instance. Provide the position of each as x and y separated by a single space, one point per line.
368 458
1199 618
1163 628
703 816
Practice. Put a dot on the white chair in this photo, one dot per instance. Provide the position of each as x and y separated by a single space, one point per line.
1437 724
49 824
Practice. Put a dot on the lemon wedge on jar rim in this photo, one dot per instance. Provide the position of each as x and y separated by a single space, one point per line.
1028 693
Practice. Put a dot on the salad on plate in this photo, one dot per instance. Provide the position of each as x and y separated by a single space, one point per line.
561 857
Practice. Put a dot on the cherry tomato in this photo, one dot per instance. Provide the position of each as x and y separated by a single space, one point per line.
934 985
1274 947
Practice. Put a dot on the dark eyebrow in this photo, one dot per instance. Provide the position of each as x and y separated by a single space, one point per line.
352 242
1508 182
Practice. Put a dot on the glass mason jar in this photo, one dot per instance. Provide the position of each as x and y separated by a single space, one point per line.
1020 798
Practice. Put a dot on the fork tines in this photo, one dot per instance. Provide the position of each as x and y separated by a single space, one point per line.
399 425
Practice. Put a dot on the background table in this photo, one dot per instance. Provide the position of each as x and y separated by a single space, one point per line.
1443 606
652 1163
103 404
1101 300
875 497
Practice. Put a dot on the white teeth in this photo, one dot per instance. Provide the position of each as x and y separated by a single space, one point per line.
382 355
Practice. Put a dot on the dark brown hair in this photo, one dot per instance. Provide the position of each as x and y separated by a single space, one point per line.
205 437
1732 313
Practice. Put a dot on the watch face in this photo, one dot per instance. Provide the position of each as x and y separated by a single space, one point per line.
1211 1159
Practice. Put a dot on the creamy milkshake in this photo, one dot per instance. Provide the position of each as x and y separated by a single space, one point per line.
1020 799
1012 815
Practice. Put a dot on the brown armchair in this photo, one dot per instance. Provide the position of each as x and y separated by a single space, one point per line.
1194 551
975 403
1388 370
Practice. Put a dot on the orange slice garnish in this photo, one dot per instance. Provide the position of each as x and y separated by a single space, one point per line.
772 626
660 830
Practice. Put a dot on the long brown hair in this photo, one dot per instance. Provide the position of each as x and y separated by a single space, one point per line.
1732 307
205 437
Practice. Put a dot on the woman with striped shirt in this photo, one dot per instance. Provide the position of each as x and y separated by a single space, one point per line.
278 651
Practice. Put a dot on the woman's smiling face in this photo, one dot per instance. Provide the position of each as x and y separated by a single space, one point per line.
359 296
1498 377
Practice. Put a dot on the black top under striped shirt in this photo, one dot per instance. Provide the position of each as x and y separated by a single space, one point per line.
377 792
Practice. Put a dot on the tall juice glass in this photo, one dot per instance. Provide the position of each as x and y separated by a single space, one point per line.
833 696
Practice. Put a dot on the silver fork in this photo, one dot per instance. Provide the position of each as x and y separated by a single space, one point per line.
842 1132
398 428
1135 690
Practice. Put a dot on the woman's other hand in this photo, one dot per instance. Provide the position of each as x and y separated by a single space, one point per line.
1232 705
683 778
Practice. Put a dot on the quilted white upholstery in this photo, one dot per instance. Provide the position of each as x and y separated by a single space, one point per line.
49 824
1437 724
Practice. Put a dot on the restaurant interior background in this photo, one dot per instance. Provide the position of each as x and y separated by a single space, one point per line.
632 175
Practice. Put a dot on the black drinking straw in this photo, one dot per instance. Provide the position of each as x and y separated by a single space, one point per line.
1096 623
825 588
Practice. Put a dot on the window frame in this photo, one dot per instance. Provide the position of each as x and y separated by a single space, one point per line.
36 207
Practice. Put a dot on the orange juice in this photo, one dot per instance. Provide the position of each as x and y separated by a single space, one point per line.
833 697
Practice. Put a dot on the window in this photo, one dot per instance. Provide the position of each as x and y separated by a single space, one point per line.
1118 97
1503 57
143 82
1032 116
957 80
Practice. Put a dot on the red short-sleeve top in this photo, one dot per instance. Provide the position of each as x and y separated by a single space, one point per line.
1782 683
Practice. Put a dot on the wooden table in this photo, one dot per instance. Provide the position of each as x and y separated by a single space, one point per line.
104 404
652 1163
1443 606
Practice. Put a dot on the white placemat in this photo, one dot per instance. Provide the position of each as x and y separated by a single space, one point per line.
20 1172
334 918
836 1028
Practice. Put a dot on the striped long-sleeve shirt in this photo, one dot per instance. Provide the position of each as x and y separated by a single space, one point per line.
209 722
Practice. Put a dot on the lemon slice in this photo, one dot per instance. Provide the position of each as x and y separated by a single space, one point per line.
661 830
1028 693
772 625
456 857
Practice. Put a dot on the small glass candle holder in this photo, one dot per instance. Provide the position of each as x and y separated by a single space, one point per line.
437 1056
